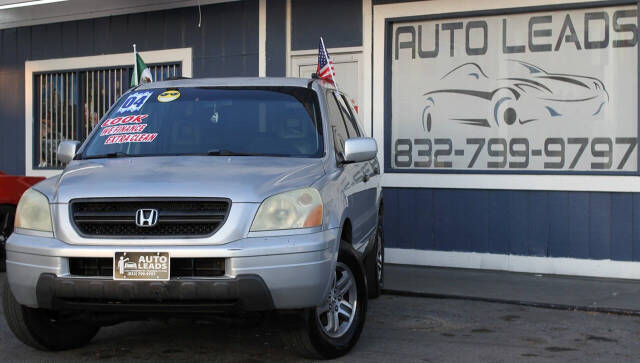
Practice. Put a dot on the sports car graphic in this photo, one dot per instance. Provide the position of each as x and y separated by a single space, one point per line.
522 93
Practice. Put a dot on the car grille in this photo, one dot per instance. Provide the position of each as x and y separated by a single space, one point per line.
91 266
180 267
106 218
197 267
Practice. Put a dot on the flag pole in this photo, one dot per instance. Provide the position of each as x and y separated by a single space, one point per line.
333 76
135 64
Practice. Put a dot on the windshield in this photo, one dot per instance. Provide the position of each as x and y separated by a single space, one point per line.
275 121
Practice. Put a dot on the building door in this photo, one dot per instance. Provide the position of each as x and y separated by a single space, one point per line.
348 68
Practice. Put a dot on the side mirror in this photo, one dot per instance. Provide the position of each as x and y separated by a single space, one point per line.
67 150
360 149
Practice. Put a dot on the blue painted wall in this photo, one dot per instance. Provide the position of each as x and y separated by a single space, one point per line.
225 45
276 38
591 225
338 21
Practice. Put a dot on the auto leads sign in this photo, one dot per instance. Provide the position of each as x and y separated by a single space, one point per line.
544 91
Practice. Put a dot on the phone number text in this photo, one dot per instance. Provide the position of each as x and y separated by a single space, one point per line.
515 153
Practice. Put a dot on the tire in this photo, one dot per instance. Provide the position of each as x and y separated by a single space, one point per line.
7 212
375 265
38 328
310 337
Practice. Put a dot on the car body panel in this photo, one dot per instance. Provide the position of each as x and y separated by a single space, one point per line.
296 269
186 176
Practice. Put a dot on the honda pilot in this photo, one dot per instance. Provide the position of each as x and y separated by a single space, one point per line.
205 196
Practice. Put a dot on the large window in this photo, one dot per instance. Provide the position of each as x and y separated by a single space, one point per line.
67 105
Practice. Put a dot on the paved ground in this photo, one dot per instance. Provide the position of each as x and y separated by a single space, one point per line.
402 329
585 293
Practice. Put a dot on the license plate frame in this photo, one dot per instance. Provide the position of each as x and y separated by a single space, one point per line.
141 266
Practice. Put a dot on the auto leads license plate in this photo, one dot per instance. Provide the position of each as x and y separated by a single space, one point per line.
141 266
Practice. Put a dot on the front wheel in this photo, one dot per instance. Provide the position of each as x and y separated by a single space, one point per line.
333 328
43 329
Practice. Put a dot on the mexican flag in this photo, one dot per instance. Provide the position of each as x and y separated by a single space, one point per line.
141 73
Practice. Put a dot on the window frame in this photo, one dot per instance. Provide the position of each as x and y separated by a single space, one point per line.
183 56
331 97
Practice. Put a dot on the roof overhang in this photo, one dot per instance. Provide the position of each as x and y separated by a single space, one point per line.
16 13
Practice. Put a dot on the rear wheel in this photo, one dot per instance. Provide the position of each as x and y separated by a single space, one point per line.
375 265
7 213
43 329
333 328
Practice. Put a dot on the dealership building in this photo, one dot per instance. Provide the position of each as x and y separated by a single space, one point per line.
507 129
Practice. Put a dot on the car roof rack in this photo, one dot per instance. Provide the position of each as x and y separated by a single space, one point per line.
175 78
314 77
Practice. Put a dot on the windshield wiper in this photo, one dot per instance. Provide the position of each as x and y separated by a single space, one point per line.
226 152
117 154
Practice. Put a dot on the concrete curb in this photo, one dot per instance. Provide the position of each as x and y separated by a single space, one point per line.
596 309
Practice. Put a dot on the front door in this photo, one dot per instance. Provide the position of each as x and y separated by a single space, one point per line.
356 182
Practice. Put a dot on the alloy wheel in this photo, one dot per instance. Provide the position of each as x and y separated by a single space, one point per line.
336 315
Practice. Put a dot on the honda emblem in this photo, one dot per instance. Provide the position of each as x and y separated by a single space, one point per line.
146 217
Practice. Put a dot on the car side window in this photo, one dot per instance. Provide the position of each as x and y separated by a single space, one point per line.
358 121
349 117
338 128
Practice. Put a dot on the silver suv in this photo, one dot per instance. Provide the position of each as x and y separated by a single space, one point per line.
205 196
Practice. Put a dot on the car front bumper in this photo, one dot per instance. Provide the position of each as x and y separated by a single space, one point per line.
261 273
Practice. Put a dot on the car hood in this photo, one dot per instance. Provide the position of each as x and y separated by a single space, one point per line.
239 178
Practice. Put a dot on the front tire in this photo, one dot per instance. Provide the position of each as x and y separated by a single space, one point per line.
332 329
7 212
42 329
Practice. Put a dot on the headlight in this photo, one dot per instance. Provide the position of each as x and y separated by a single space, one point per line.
300 208
33 212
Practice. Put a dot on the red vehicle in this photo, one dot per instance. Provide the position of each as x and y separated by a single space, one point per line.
11 189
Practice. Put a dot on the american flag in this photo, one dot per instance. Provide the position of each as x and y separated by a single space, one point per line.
325 64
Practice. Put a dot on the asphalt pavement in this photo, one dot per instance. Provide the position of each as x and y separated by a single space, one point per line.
401 329
552 291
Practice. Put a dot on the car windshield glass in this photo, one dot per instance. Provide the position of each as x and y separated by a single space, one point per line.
277 121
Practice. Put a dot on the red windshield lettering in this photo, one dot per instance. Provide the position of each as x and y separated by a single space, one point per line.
124 138
131 119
